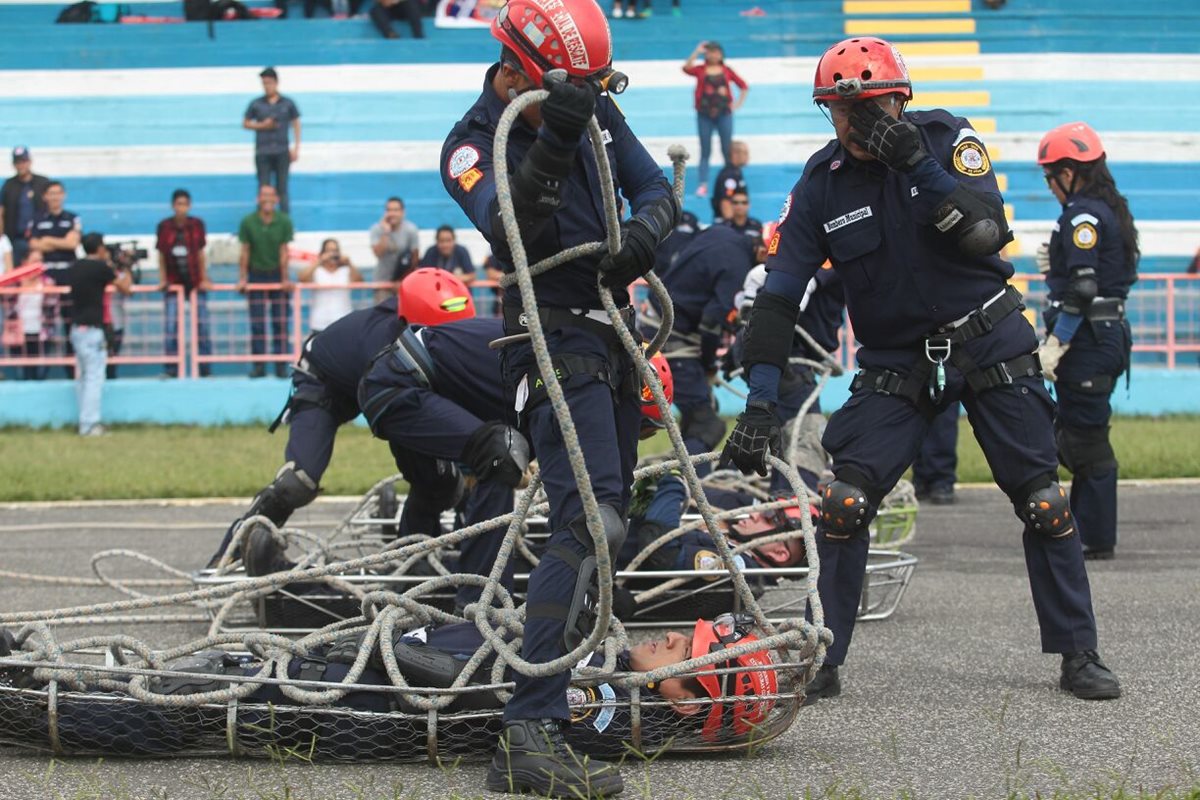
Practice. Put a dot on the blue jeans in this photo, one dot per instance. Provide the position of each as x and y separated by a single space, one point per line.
171 327
723 125
272 302
91 358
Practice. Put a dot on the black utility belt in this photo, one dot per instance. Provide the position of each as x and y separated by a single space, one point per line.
1102 309
982 319
553 318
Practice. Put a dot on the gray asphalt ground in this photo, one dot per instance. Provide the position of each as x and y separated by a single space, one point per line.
949 698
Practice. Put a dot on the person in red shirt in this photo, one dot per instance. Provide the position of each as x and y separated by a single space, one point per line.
715 103
182 262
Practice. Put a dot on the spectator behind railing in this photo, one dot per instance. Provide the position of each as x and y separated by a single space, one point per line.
264 235
6 258
88 279
729 180
384 12
21 200
24 324
331 269
269 117
181 239
394 242
56 235
449 255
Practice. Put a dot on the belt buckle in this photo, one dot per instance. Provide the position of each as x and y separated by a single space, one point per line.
935 347
937 352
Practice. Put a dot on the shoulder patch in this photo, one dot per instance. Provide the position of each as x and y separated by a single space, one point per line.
461 160
706 560
1084 236
578 696
469 178
1081 218
605 717
773 247
970 159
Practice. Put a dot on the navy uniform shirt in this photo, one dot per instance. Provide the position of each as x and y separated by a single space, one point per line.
705 276
751 227
340 354
670 247
902 278
467 370
468 176
56 225
822 315
1088 234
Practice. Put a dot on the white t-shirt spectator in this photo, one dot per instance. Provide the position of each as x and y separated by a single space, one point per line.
29 311
329 305
5 250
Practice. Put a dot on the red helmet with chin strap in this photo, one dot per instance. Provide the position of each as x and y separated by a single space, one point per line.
430 296
744 713
571 35
1075 140
859 68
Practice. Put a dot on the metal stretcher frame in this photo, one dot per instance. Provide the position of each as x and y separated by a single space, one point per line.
235 728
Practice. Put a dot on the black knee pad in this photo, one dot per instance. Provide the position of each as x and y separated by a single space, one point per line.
703 423
614 529
846 512
1085 451
1047 511
291 489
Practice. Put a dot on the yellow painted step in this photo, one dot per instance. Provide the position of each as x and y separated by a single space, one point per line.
983 124
1008 212
910 49
906 6
952 100
883 27
927 74
1002 182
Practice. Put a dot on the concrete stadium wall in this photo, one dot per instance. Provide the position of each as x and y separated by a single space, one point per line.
242 401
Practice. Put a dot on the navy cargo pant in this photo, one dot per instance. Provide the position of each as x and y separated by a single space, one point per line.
1087 376
477 554
607 422
936 466
874 437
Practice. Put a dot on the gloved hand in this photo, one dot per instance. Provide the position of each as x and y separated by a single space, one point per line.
634 259
894 142
729 363
497 452
1050 353
567 110
1042 258
757 433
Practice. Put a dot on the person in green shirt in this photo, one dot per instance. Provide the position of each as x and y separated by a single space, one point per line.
264 260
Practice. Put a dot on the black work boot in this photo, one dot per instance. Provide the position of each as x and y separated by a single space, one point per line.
533 756
17 677
1093 554
1085 676
942 495
263 555
826 684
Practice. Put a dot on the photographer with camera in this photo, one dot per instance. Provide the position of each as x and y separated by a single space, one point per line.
181 262
125 258
88 279
332 269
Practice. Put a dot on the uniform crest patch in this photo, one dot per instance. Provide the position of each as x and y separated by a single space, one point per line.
578 696
787 208
706 560
970 159
462 160
1084 236
469 178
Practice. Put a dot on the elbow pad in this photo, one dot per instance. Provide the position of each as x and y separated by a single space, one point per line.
662 216
768 337
974 220
1082 289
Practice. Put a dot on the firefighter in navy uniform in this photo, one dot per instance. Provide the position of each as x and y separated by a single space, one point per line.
906 208
324 397
556 194
1090 263
703 281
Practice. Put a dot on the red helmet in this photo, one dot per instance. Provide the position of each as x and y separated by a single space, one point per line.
430 296
571 35
1075 140
858 68
649 407
725 631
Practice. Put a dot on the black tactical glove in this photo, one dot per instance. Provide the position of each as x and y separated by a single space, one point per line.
497 452
892 141
634 259
730 363
567 110
757 433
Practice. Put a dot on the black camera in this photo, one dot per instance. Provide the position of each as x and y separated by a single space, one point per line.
127 255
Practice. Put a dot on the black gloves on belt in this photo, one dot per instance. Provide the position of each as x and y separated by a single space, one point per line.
757 433
892 141
634 259
567 110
